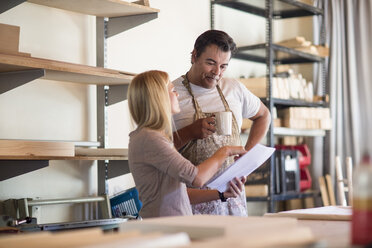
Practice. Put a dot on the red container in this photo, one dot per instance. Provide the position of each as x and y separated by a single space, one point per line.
304 161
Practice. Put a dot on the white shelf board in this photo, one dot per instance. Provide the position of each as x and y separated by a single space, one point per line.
283 131
101 8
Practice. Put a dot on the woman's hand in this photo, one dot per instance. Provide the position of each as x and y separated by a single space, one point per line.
236 186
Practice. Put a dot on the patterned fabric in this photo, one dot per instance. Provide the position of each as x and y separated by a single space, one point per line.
199 150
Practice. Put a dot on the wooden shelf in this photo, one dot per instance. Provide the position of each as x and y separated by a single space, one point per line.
56 150
282 55
63 71
281 8
101 8
106 157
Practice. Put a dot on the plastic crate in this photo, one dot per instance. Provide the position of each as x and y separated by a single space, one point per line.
305 179
126 203
305 158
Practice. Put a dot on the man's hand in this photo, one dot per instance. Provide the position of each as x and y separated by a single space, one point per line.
199 129
236 187
202 128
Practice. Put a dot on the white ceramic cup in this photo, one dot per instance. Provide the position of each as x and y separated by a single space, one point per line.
223 123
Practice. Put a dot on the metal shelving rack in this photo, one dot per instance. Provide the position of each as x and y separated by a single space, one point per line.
111 18
271 55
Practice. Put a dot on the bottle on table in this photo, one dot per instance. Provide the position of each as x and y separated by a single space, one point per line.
361 227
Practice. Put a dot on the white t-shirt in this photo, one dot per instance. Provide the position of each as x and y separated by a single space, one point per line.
241 101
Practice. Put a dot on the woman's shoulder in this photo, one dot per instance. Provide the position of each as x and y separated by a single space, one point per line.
147 136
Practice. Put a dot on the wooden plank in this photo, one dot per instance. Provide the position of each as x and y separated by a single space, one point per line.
296 42
280 237
323 191
101 8
64 71
255 85
143 2
208 226
92 237
320 213
330 233
36 148
123 152
340 182
331 192
227 231
8 157
256 190
9 38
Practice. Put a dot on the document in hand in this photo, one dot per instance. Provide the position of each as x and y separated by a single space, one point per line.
242 167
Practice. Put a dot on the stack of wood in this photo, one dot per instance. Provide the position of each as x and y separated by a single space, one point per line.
292 87
306 118
301 44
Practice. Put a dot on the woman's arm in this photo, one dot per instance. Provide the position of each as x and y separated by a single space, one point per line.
205 195
210 166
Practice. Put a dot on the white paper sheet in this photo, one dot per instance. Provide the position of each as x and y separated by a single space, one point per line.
242 167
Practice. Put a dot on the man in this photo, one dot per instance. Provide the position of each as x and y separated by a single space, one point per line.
202 92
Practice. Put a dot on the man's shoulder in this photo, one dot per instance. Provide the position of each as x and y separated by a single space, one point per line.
178 81
230 83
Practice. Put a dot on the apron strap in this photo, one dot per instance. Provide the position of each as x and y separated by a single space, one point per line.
186 83
197 107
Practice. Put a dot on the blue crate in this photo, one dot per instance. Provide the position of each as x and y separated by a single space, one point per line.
127 203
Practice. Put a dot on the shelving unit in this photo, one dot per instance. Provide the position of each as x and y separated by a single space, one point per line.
112 17
271 55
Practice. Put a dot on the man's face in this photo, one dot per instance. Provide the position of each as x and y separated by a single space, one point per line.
209 67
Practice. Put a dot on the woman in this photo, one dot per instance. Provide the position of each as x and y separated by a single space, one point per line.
159 171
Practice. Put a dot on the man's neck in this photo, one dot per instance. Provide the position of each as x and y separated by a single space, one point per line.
191 78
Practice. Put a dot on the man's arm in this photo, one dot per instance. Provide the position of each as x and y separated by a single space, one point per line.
199 129
260 125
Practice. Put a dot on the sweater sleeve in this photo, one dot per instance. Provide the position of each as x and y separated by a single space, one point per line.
160 153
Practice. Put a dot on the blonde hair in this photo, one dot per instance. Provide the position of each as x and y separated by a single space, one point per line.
149 103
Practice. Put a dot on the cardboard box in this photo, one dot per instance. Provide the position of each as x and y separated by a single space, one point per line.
255 85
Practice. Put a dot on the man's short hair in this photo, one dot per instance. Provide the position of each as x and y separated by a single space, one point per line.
216 37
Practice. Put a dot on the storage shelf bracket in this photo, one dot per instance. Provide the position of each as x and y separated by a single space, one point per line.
12 168
6 5
14 79
117 168
117 93
117 25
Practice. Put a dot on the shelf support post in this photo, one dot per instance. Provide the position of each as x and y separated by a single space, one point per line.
102 102
269 75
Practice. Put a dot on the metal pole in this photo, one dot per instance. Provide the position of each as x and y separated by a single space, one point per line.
269 75
65 201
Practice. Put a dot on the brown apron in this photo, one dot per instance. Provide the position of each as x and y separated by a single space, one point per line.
199 150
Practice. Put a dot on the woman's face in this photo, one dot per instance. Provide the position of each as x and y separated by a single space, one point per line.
173 96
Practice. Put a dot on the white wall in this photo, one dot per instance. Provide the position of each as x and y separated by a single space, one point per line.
49 110
61 111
